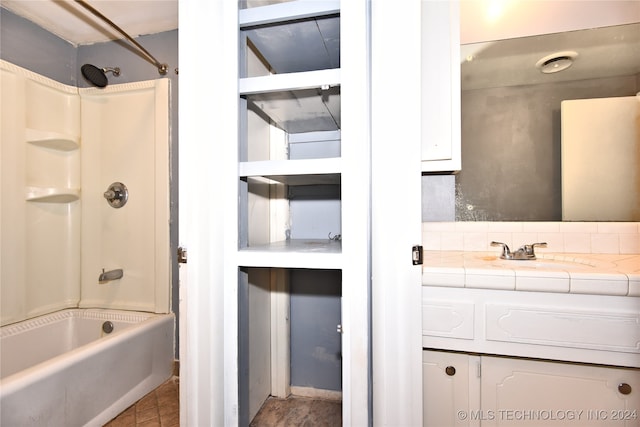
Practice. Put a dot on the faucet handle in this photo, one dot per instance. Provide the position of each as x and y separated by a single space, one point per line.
529 249
506 253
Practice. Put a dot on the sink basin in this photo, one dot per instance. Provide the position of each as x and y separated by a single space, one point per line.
541 264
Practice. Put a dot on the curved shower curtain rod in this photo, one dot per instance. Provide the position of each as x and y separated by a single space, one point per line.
162 68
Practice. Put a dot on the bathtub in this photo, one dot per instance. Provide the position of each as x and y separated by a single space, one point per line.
63 369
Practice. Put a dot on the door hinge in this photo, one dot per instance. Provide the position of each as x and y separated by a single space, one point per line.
182 255
416 255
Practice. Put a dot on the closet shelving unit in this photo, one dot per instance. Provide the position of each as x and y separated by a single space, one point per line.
298 45
291 158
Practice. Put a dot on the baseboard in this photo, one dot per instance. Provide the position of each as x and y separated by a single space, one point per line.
316 393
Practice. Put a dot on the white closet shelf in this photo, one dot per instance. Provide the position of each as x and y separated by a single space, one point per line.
52 195
53 140
290 81
297 180
288 11
297 110
294 253
294 172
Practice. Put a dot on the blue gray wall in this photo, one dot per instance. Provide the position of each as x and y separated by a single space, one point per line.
316 350
29 46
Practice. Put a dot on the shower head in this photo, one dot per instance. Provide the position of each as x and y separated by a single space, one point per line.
97 76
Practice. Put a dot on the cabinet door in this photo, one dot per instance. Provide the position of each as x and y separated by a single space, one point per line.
450 387
535 393
440 86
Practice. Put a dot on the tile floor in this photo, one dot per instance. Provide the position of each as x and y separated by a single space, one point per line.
159 408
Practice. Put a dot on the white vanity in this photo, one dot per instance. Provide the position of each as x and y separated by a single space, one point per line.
548 342
551 341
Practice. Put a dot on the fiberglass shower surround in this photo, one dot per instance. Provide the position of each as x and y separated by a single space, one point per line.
61 149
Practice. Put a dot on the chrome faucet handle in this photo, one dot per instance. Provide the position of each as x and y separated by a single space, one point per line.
529 249
506 253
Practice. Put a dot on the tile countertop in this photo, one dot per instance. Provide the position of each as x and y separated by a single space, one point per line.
599 274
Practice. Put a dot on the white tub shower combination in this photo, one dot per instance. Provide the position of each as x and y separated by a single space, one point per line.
60 150
63 369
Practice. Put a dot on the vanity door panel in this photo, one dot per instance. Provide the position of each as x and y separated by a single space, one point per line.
523 392
596 329
450 384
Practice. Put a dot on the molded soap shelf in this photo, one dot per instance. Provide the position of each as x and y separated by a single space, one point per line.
52 195
53 140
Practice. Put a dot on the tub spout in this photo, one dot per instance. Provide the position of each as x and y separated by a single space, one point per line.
107 276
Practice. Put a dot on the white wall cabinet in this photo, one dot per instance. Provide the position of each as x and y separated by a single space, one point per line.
440 86
471 390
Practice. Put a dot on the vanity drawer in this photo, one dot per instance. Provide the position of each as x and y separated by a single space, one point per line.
617 331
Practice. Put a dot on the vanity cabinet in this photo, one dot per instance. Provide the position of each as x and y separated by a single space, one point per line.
560 355
600 329
470 390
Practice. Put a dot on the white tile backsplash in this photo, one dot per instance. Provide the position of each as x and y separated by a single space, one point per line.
570 237
630 243
618 227
578 227
451 241
554 240
510 227
475 241
472 227
520 239
605 243
541 227
579 243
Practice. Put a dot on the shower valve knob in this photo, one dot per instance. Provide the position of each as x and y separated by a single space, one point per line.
116 195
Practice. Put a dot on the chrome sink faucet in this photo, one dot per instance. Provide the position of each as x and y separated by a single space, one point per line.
524 252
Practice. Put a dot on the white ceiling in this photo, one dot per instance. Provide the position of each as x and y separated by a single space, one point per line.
70 21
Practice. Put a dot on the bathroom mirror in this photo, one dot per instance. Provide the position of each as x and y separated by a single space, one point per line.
511 122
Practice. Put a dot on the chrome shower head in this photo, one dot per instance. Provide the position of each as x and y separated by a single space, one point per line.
97 76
